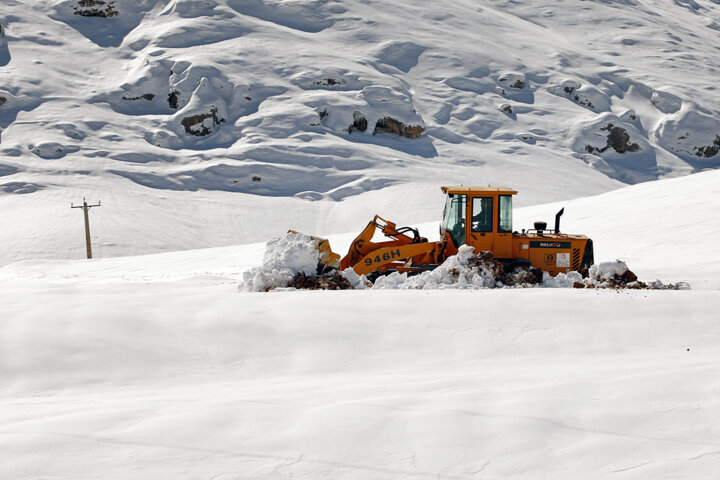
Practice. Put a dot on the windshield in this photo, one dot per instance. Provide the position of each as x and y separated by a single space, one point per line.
505 214
454 218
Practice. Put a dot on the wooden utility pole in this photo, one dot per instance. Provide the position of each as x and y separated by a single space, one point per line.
85 208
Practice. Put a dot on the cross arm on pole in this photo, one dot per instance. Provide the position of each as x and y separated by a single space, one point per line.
85 205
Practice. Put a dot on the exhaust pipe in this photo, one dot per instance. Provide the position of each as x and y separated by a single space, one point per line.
557 219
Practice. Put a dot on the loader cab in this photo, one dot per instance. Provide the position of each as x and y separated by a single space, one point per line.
480 217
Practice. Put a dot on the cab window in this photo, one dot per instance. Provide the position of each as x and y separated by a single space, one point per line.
454 218
482 214
505 214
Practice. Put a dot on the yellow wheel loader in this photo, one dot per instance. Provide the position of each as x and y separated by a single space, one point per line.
477 216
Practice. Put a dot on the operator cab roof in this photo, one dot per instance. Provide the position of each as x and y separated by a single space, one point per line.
469 190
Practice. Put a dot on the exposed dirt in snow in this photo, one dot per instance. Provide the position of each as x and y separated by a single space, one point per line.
327 281
615 275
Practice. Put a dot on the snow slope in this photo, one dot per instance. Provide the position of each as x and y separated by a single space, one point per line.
230 105
158 366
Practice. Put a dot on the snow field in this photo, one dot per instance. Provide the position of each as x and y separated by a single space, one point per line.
188 378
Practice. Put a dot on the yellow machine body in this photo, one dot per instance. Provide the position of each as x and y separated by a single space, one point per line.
482 218
477 216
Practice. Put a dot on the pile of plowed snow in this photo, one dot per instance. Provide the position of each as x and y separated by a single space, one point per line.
462 271
291 262
285 257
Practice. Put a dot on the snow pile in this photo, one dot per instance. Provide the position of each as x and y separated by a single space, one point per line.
292 261
285 257
609 271
462 271
608 275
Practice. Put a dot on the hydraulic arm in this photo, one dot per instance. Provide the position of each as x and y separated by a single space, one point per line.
402 252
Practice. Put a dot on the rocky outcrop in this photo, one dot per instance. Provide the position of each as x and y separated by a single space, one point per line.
708 151
616 147
173 99
584 95
514 86
95 8
373 110
516 81
202 124
330 82
692 135
571 92
629 116
203 114
145 96
618 139
396 127
359 124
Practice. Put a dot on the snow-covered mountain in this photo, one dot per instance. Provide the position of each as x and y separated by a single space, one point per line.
307 109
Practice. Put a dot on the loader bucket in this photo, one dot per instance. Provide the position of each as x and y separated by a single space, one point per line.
328 259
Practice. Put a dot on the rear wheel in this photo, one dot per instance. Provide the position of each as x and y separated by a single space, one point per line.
588 259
